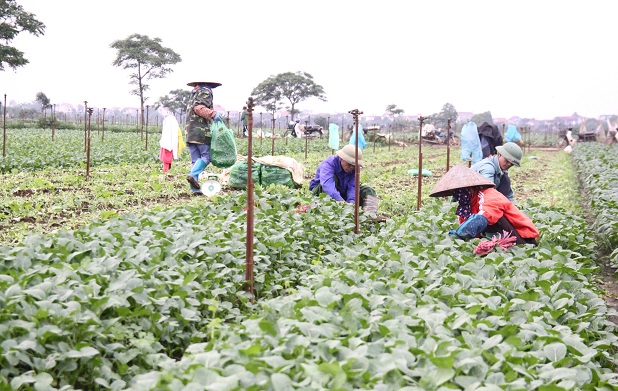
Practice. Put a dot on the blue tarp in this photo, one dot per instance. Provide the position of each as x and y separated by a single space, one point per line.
361 139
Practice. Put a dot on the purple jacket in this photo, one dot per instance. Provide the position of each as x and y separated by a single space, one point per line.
325 175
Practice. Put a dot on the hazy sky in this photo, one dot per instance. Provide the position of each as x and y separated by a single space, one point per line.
530 58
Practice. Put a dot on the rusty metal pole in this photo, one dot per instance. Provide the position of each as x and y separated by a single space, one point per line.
272 151
250 204
390 136
103 126
53 121
375 137
239 124
355 113
261 130
4 129
306 144
89 111
448 145
85 123
147 106
420 163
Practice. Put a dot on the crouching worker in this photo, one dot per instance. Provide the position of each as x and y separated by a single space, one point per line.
483 210
335 177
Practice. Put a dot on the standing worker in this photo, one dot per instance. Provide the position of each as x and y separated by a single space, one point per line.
244 117
200 115
495 168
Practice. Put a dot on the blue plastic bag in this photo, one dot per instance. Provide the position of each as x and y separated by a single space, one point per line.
333 136
470 143
361 139
512 135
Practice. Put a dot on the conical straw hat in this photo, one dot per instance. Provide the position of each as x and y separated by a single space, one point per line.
459 177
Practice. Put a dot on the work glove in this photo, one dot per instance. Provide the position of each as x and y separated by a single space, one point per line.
218 116
470 228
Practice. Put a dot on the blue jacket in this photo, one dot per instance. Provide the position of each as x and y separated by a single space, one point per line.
325 175
490 169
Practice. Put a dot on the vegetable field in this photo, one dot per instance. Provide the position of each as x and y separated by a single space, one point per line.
124 280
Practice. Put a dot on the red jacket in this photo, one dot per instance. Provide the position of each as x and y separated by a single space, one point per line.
493 205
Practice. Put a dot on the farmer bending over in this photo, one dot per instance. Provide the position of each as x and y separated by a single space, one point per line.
483 209
335 177
495 167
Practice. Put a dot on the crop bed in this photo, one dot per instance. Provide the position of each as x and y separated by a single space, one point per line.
154 298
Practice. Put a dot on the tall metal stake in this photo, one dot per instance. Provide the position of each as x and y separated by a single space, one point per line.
375 136
103 126
85 123
147 106
4 127
250 203
272 152
448 145
390 136
355 113
420 162
89 111
261 130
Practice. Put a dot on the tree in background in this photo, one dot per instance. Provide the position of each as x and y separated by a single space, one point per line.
440 120
268 98
43 101
295 87
482 117
14 20
321 121
393 110
176 101
148 58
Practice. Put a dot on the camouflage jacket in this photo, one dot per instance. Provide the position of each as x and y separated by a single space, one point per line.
198 128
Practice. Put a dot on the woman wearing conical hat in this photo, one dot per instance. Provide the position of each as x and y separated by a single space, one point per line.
482 209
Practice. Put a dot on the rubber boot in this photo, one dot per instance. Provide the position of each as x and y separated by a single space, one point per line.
193 176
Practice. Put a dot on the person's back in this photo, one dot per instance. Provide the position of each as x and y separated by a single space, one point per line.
490 169
495 168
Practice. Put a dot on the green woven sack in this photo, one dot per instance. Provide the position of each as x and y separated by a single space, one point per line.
222 145
238 175
273 175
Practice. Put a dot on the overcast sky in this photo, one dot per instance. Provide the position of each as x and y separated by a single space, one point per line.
530 58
